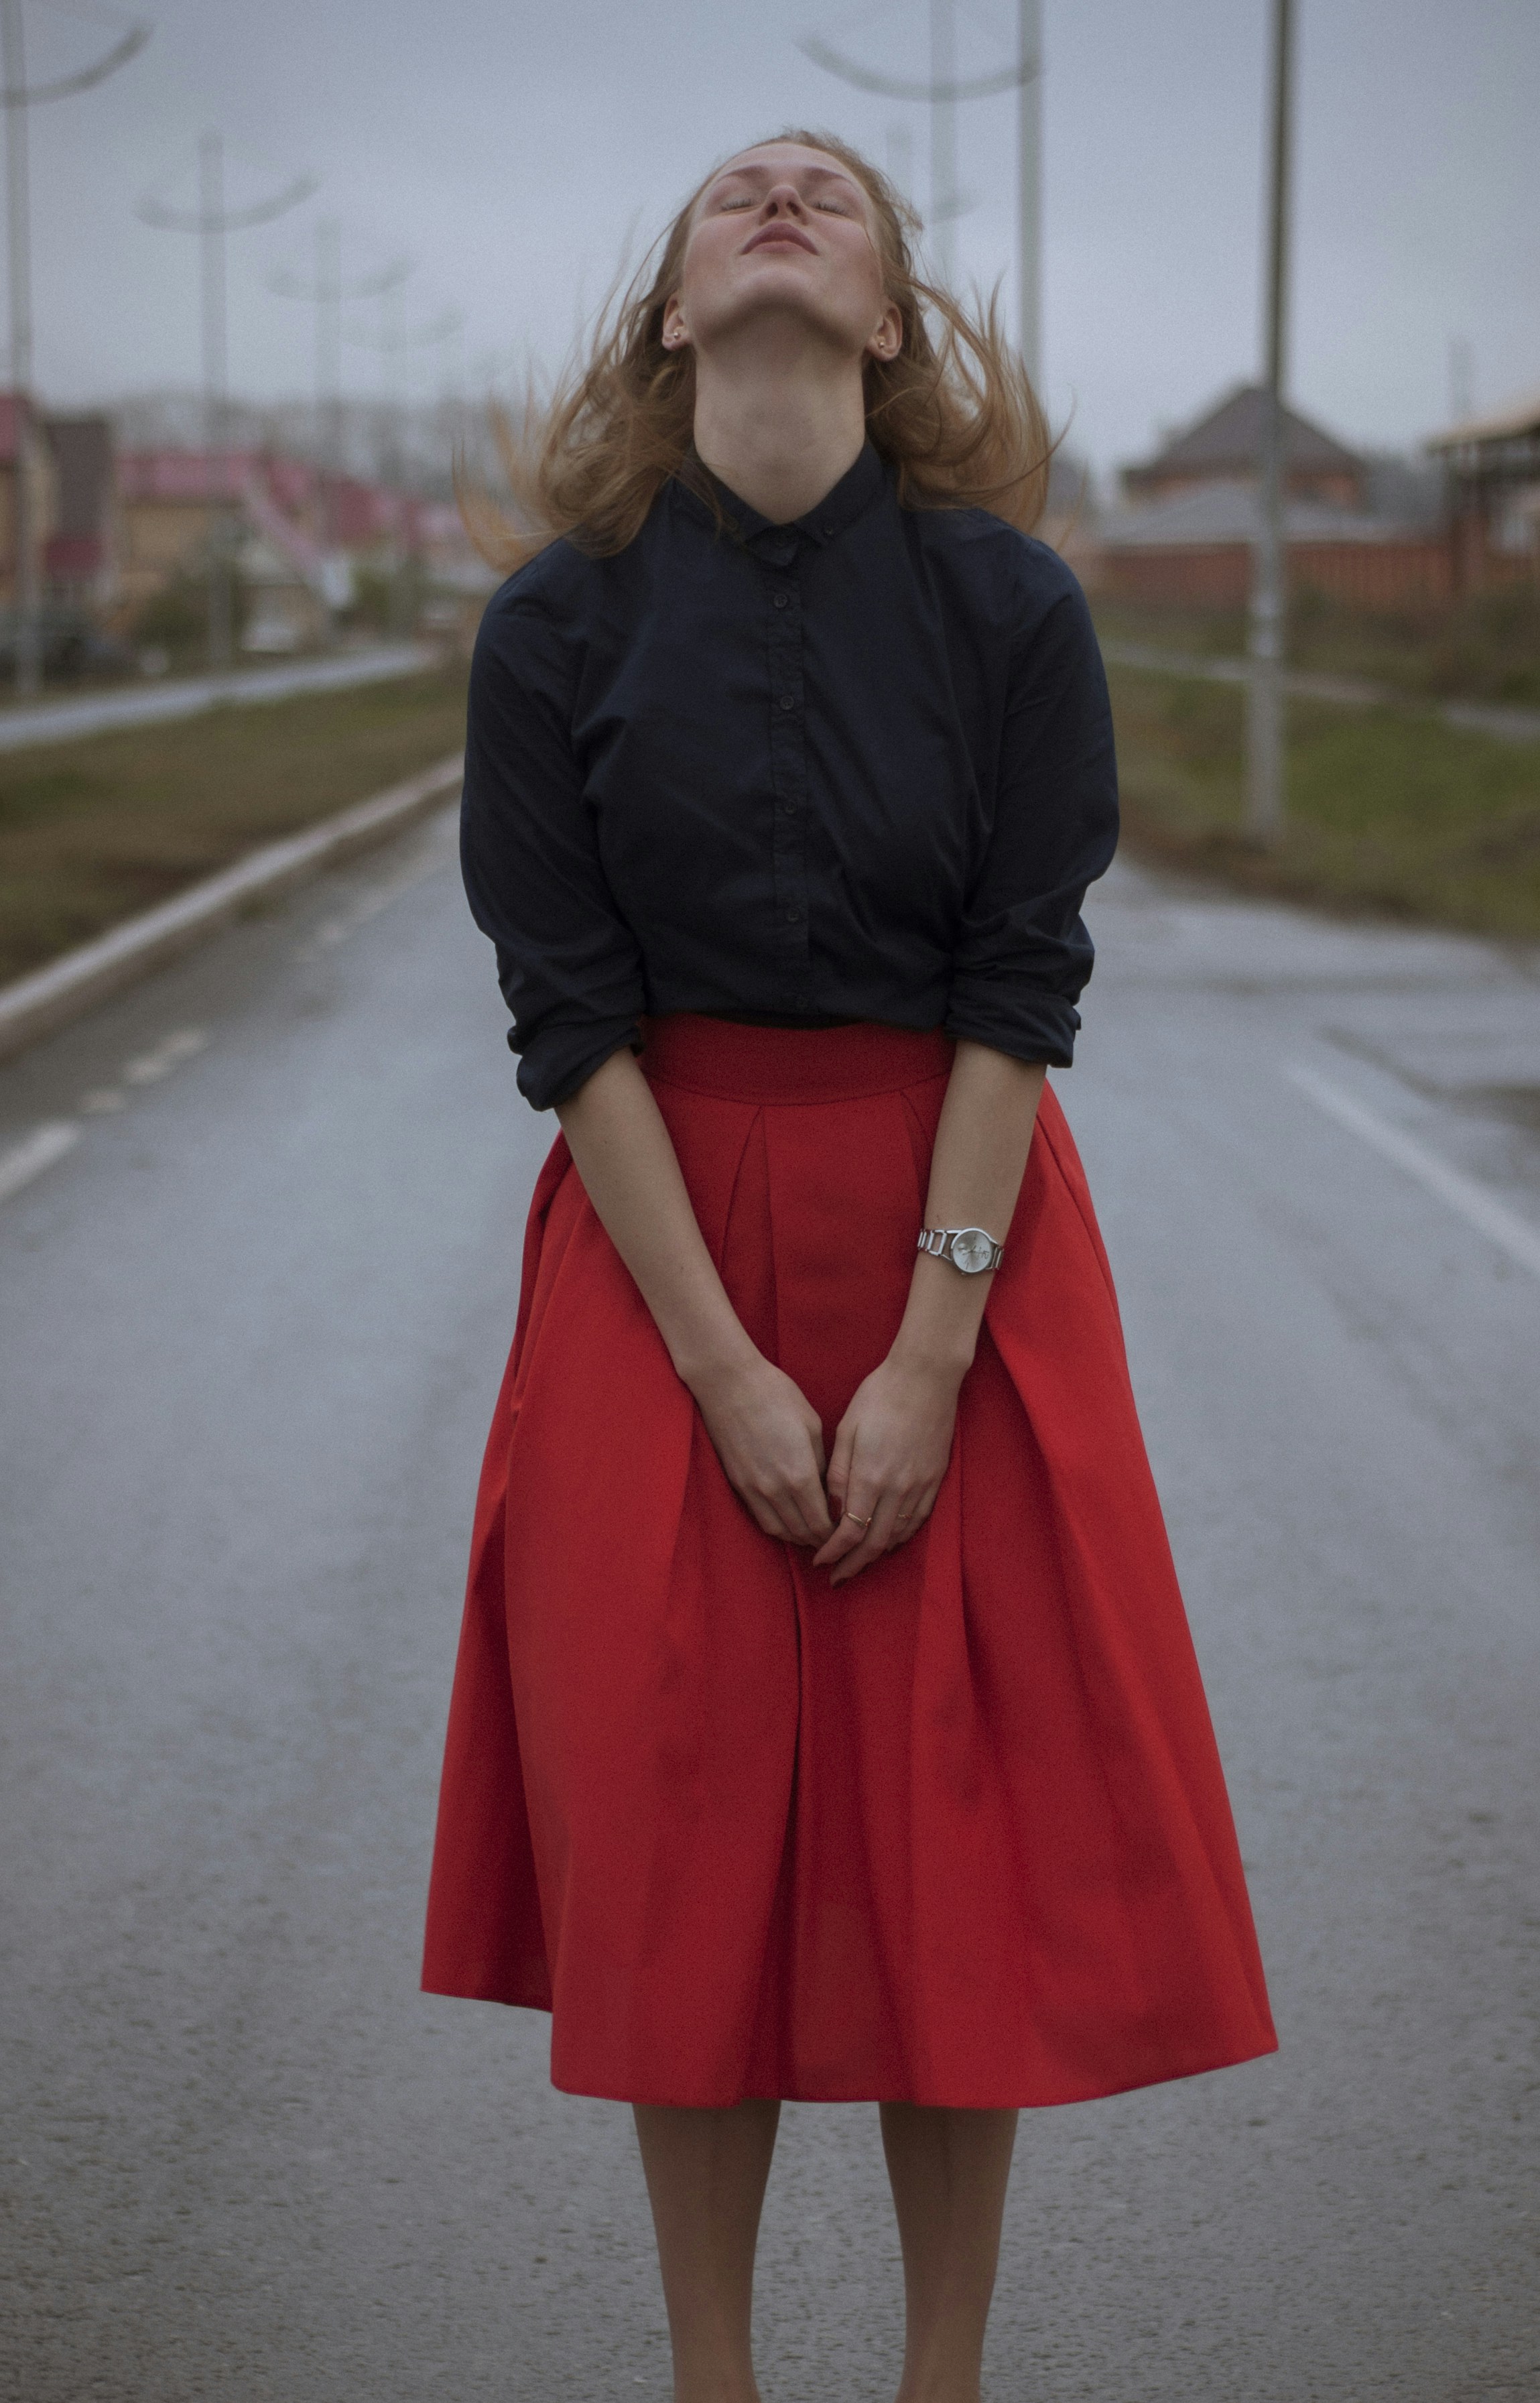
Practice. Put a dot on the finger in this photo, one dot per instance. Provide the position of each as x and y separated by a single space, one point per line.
852 1527
839 1476
874 1543
912 1512
854 1530
805 1511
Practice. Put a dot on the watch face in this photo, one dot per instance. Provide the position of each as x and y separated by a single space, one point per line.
972 1250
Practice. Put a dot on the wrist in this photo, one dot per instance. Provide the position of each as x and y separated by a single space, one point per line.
710 1360
941 1356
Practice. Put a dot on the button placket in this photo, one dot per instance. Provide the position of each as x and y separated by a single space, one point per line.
788 775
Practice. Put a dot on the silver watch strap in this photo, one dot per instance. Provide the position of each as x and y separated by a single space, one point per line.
938 1242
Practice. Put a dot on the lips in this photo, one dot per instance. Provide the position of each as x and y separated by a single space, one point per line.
779 232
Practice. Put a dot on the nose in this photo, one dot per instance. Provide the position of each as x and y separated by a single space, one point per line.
783 199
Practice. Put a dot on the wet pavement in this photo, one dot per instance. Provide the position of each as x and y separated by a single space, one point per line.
252 1319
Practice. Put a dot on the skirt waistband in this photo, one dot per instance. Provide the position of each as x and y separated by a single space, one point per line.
790 1063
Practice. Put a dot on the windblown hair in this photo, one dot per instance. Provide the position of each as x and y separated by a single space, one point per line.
954 412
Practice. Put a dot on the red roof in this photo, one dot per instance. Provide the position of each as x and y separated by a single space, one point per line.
184 475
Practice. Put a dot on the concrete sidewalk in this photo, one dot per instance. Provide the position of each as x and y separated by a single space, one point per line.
65 721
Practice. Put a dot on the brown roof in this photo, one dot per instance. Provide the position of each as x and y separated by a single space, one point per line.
1227 441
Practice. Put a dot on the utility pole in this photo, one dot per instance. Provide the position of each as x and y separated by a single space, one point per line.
17 96
944 196
940 92
394 341
1029 171
326 290
1266 798
213 223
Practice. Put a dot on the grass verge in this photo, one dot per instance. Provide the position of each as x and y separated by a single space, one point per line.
92 831
1486 647
1388 813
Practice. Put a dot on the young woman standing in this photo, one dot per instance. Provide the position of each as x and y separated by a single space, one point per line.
826 1723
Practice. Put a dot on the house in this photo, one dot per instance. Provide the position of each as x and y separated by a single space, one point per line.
1493 466
80 552
1356 529
1225 447
169 503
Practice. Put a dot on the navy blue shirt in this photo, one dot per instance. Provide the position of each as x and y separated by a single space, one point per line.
856 767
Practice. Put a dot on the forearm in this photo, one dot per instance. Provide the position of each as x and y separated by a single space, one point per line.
625 1157
976 1167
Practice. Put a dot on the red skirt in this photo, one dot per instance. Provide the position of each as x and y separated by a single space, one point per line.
954 1833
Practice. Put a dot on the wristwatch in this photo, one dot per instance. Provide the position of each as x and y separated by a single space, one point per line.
968 1249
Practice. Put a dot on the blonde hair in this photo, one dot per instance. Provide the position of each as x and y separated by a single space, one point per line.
954 412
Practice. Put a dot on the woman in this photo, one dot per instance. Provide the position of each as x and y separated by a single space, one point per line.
826 1723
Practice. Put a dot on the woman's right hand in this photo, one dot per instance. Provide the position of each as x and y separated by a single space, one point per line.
769 1441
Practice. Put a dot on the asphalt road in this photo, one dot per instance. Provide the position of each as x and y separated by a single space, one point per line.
251 1324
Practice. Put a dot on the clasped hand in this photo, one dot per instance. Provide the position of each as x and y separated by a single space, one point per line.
880 1482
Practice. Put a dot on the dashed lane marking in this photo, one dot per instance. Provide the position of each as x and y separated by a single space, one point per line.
35 1153
50 1140
1475 1204
150 1066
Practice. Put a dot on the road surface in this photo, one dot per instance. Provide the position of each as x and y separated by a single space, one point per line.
251 1317
65 721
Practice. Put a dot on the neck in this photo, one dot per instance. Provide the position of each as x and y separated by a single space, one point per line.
779 422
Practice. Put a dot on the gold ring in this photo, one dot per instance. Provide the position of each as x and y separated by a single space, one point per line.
860 1522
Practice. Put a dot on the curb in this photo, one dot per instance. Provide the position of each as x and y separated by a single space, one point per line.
36 1004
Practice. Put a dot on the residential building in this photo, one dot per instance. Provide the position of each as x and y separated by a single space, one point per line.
1225 447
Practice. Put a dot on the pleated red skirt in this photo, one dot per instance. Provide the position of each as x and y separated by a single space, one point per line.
955 1833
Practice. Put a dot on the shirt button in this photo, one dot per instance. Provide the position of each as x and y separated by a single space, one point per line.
782 599
788 701
794 917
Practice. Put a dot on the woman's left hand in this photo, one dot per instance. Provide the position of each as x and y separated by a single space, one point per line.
890 1455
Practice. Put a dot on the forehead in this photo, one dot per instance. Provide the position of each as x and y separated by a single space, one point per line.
768 159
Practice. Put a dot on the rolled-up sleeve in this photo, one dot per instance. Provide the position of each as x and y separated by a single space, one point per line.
1023 955
569 966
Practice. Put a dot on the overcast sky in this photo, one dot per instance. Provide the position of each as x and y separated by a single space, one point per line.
514 149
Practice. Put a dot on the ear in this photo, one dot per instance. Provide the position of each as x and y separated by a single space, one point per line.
887 340
676 333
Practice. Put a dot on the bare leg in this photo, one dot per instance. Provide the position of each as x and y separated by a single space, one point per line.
706 2173
948 2172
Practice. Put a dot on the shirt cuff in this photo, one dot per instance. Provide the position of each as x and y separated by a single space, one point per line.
1024 1025
560 1059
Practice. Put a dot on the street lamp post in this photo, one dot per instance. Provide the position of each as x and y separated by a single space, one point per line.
327 291
1029 169
1266 797
213 223
17 96
941 92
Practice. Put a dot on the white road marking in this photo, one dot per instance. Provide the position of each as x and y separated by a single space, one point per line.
1475 1204
34 1152
367 905
169 1053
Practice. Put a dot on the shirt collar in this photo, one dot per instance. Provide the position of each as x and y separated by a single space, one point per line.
850 498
